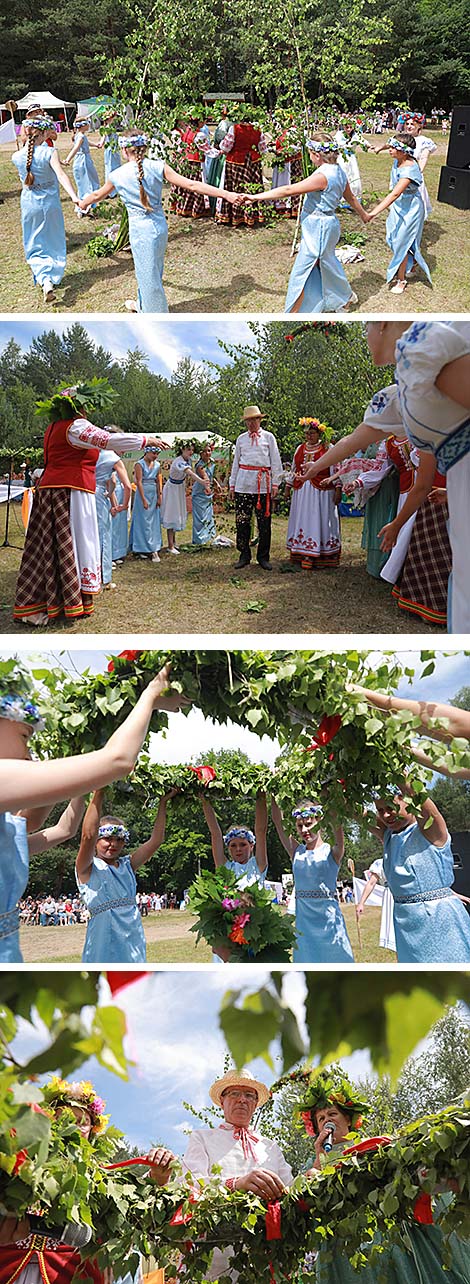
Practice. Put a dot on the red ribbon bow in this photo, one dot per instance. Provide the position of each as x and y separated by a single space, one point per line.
247 1138
328 728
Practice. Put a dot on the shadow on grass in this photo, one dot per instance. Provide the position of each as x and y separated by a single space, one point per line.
86 278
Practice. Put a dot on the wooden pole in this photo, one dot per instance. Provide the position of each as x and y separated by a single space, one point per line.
12 107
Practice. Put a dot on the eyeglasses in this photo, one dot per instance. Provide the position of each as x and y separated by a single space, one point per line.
235 1092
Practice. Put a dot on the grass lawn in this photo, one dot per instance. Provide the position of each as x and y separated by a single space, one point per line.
169 940
202 593
217 269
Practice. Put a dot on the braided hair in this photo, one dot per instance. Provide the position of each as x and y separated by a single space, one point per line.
137 144
33 128
29 180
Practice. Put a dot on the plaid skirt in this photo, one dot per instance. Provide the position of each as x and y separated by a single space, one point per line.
239 178
422 586
48 581
190 204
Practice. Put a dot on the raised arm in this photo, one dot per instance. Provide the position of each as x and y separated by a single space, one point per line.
67 826
148 849
217 841
89 838
458 719
261 831
26 784
337 851
462 773
437 832
287 842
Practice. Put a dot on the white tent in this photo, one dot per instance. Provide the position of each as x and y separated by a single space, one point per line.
44 99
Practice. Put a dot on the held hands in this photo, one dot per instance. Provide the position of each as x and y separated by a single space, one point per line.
438 495
162 1161
262 1182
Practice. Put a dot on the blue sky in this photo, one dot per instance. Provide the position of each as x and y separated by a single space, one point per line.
165 339
173 1035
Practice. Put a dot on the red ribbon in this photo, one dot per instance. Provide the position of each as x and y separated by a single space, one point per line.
423 1209
247 1138
273 1221
328 728
117 980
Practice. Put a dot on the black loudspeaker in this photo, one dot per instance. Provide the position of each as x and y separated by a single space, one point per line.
458 151
461 853
454 187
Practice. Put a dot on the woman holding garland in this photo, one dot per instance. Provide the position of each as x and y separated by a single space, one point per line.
317 282
84 170
139 183
313 531
321 929
60 570
404 227
106 879
240 843
29 789
42 220
145 535
431 399
331 1111
204 529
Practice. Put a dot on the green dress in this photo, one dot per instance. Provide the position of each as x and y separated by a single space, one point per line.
380 509
419 1261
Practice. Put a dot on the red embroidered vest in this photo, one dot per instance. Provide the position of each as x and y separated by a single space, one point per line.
399 453
304 456
65 465
245 146
188 136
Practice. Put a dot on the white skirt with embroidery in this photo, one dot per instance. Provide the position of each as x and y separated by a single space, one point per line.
313 529
86 540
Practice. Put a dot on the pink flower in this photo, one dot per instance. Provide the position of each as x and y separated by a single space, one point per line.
229 904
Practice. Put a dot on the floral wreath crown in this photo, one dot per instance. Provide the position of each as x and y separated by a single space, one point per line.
114 828
239 831
69 402
330 1088
15 698
62 1092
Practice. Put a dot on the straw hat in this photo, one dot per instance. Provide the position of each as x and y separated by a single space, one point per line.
238 1079
253 412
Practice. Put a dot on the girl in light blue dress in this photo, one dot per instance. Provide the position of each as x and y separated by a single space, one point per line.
103 495
204 529
28 789
107 884
405 221
145 536
240 843
431 922
42 220
84 170
119 532
139 183
318 282
320 926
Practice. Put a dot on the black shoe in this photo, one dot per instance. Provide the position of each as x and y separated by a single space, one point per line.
242 561
265 565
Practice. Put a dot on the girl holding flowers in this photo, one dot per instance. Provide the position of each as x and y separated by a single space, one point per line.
139 183
321 930
42 220
29 789
235 850
313 532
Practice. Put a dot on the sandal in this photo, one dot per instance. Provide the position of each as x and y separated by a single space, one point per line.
399 287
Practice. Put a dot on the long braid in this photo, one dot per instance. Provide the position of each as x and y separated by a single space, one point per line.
139 156
29 180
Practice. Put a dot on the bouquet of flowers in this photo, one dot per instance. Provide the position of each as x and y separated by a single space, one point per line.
241 919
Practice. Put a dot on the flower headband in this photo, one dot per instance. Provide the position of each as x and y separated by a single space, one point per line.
61 1092
324 149
240 831
18 708
40 122
305 812
116 830
401 147
133 140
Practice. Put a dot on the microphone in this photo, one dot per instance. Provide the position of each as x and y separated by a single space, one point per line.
328 1143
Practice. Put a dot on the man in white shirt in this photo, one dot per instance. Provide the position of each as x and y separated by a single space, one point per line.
246 1160
254 483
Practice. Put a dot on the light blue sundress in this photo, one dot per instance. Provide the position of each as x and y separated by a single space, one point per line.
203 508
14 865
145 535
112 159
84 170
431 924
316 270
321 930
42 220
148 231
119 533
114 933
104 471
405 222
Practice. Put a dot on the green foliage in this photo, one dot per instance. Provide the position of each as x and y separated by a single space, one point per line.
221 902
100 247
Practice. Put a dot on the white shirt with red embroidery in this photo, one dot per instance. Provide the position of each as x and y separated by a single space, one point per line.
219 1146
252 453
84 434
